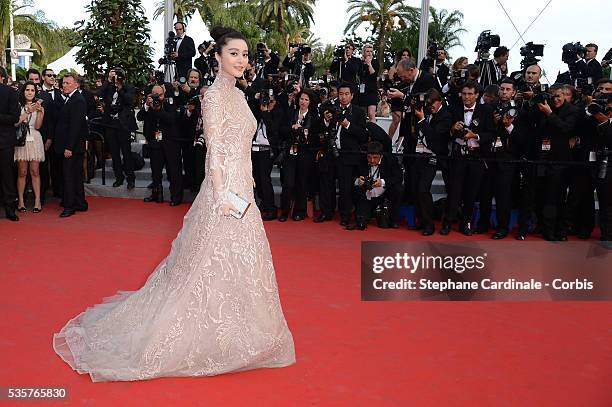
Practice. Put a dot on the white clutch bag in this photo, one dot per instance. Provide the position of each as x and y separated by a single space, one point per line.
241 204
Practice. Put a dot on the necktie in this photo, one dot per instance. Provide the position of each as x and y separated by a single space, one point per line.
468 110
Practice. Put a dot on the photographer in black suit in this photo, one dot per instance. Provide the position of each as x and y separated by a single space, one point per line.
70 134
159 122
344 124
185 50
51 168
419 82
593 67
118 109
9 115
472 132
432 128
345 66
379 185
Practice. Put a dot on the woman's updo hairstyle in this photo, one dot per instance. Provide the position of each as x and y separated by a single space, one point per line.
222 35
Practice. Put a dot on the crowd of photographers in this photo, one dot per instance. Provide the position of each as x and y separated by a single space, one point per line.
493 134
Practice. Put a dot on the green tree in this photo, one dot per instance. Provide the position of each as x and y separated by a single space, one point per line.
116 35
274 14
445 27
183 9
383 16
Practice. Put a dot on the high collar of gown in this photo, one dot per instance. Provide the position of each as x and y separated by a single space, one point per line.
226 80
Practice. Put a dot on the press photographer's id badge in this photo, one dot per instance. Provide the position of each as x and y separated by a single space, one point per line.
159 136
362 88
498 143
293 150
420 148
545 145
592 156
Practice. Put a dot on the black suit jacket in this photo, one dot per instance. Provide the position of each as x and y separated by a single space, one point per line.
558 127
346 71
389 170
185 52
52 105
594 70
71 128
482 125
435 132
125 100
9 115
164 120
354 137
424 82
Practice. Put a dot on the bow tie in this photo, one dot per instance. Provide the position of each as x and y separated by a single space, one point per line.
49 90
468 110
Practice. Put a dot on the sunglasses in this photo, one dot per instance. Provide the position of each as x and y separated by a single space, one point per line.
51 75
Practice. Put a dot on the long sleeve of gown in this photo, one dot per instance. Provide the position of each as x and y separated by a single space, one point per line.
217 151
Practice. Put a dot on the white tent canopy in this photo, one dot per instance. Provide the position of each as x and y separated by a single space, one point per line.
68 61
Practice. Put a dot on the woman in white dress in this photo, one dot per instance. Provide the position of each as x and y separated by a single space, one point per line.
33 152
212 305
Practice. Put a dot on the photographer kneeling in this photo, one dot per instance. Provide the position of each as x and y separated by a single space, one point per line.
379 188
159 120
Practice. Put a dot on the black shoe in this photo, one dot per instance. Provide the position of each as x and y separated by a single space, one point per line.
394 226
356 226
21 209
84 208
549 237
37 210
500 234
131 185
152 198
480 230
520 236
465 229
322 218
344 222
446 228
175 203
298 218
269 215
67 213
428 231
117 183
11 215
562 238
283 217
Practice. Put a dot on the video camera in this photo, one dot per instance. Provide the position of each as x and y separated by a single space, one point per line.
169 48
339 52
529 52
541 95
600 105
572 52
301 50
485 42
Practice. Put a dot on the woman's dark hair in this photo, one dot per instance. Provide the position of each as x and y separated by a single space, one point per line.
222 35
398 56
312 98
22 92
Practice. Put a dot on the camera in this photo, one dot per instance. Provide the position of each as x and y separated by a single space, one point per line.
301 50
368 183
572 52
195 101
169 48
339 52
182 80
600 105
265 96
485 42
460 77
157 102
432 50
333 107
541 95
506 108
585 85
418 100
529 52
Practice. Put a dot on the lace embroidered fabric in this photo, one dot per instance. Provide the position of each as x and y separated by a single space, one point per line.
212 305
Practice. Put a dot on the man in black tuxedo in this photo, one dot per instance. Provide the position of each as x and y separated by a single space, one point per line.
419 82
118 97
348 130
493 71
51 168
70 134
9 115
185 50
434 121
593 69
346 68
555 127
472 132
380 178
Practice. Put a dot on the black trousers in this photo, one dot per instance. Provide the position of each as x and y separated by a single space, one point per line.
497 182
330 170
550 199
199 161
158 160
527 186
295 178
604 196
172 154
51 174
580 205
7 176
466 177
364 206
74 193
119 142
262 173
187 157
423 174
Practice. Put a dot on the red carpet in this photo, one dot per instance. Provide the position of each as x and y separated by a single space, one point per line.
349 353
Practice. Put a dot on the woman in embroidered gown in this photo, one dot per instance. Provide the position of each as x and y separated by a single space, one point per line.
212 305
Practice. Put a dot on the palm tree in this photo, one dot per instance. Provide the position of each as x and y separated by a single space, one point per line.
383 16
445 27
183 9
276 13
